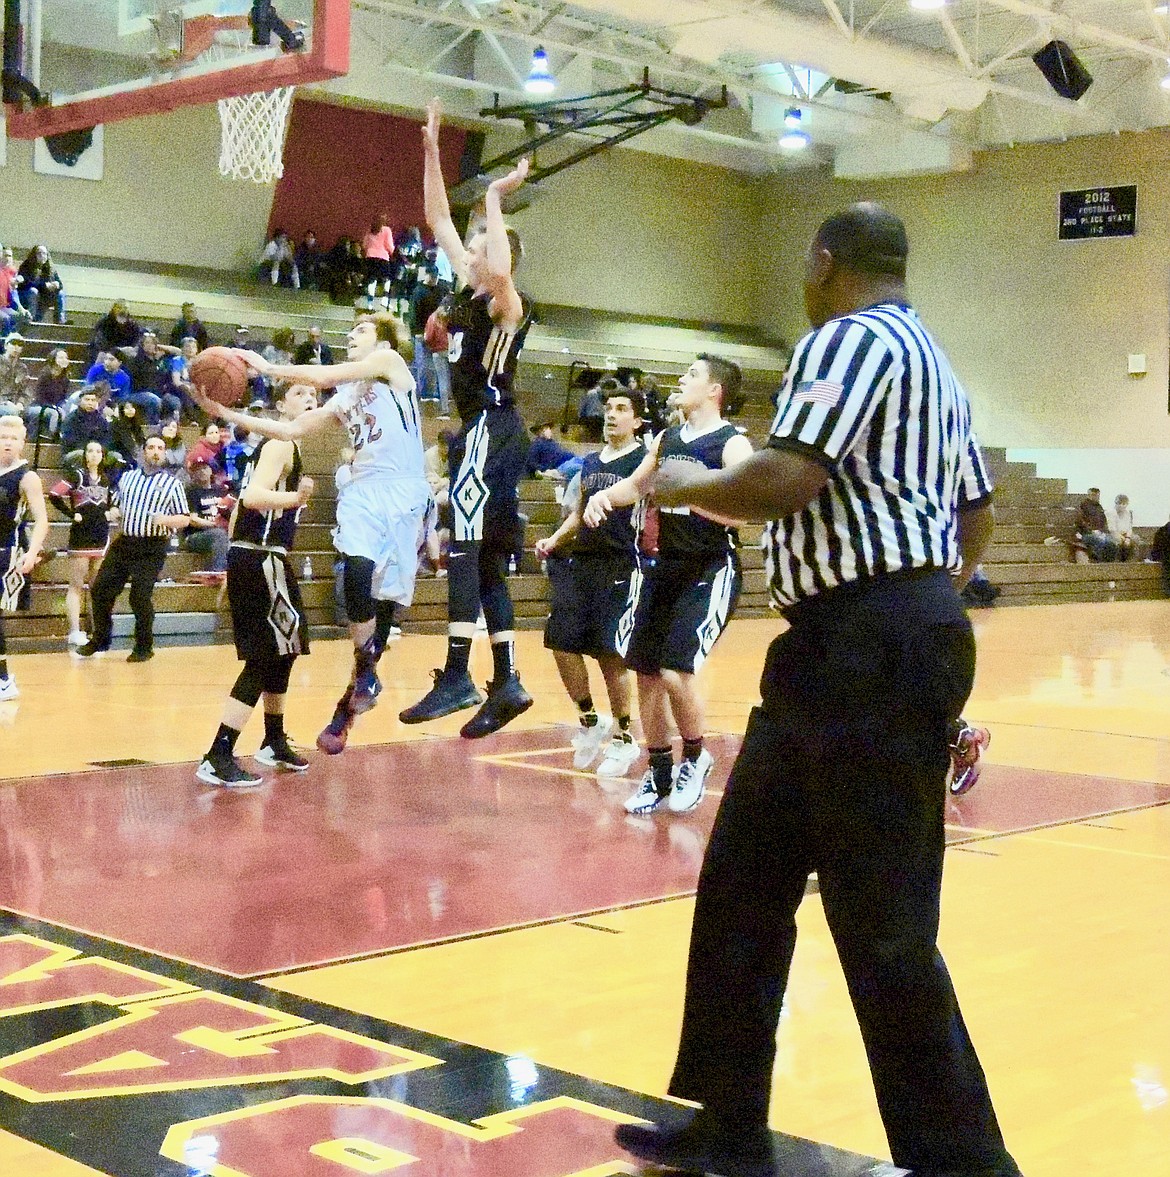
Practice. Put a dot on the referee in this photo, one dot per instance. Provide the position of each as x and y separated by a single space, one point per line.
880 507
152 503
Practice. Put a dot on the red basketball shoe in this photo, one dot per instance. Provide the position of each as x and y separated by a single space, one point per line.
967 747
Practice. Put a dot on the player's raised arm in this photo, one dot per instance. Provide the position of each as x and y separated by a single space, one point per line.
507 310
311 422
438 210
625 493
380 364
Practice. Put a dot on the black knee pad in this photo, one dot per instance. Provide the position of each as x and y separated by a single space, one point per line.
250 684
463 582
358 581
275 674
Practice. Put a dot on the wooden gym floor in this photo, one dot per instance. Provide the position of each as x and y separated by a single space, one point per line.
475 941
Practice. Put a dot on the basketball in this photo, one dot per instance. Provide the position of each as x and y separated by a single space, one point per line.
221 374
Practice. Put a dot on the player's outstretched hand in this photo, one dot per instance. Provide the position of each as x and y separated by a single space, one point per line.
254 360
672 478
543 548
512 180
210 407
26 563
304 489
597 510
431 126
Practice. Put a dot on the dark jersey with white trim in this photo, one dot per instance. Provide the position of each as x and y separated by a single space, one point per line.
482 355
12 507
616 536
874 400
682 532
269 529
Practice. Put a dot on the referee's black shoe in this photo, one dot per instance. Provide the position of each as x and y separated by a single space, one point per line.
453 691
702 1145
505 701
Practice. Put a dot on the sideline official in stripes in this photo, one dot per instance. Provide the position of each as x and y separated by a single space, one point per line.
880 508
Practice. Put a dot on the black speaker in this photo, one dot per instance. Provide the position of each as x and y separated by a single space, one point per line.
1063 69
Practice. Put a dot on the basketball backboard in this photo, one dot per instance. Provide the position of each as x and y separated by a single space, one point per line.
70 64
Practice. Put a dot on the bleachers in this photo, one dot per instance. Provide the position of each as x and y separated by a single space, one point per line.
1029 509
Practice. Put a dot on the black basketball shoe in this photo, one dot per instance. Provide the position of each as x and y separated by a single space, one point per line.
505 701
453 691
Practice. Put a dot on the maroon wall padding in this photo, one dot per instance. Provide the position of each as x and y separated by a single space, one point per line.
343 167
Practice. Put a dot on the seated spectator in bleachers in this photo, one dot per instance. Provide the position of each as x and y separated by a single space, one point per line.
13 316
424 301
547 457
115 330
591 411
282 348
257 385
41 287
178 382
87 422
16 378
1121 528
309 258
314 350
210 510
278 263
149 370
43 415
110 370
175 456
189 324
239 446
1091 528
1160 554
344 271
127 435
208 449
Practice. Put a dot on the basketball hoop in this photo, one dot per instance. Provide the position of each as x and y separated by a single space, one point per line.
253 129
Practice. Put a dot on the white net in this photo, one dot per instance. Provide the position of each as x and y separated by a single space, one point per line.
253 129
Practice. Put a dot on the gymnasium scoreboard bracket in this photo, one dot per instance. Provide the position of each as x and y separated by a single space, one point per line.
1098 212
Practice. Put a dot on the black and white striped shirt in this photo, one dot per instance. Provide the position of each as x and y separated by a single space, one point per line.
873 398
142 496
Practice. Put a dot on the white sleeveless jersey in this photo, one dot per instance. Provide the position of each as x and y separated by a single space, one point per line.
384 427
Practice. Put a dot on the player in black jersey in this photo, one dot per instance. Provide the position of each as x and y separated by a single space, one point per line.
21 495
591 574
689 592
268 619
488 322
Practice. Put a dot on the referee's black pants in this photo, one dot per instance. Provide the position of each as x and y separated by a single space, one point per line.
139 561
842 772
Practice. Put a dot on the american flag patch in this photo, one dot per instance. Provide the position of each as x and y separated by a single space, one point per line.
821 392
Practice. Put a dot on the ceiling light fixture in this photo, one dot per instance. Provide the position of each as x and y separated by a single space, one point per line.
793 139
792 118
540 80
928 5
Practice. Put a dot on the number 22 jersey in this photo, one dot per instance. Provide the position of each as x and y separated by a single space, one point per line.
384 429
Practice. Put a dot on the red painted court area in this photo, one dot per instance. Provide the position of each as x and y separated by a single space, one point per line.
394 845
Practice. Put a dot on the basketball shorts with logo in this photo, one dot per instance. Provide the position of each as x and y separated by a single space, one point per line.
15 589
268 618
682 607
384 520
488 460
590 595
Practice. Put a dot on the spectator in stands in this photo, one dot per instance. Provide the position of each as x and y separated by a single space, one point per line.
344 270
127 436
151 505
278 261
546 455
84 497
1121 528
407 258
282 347
188 324
309 259
175 454
86 423
424 301
591 411
109 370
43 415
41 286
210 510
12 313
1092 528
257 385
437 340
314 350
239 446
1160 554
438 258
16 378
209 449
378 249
177 402
150 378
115 331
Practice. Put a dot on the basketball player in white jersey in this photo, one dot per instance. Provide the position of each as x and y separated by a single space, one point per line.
381 510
